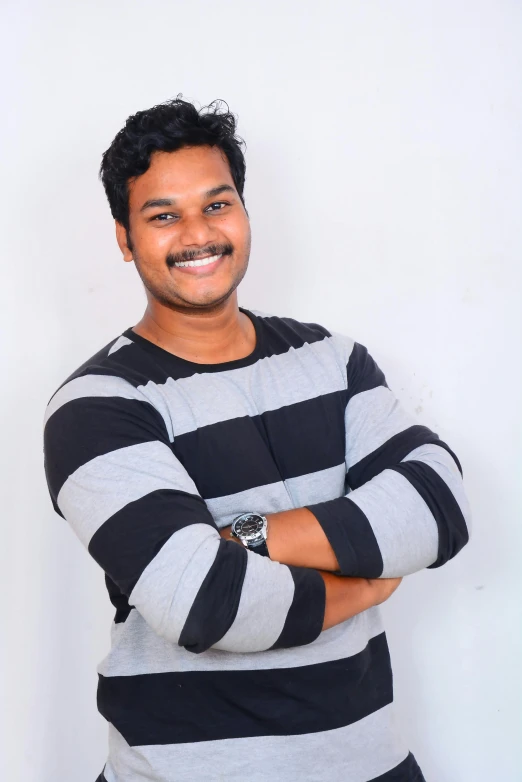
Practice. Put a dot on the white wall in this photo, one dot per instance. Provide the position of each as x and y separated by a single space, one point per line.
384 188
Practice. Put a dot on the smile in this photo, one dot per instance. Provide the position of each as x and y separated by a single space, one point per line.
199 262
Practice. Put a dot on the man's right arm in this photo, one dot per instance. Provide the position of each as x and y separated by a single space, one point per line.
346 596
112 474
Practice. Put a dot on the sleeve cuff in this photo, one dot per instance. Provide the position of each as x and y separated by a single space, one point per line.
351 537
305 618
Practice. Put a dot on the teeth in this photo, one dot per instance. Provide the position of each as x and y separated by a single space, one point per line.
200 262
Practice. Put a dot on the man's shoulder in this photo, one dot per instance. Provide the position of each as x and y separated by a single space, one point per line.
118 362
278 320
306 331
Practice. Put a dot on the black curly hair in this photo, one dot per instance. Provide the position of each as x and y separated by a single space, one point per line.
167 127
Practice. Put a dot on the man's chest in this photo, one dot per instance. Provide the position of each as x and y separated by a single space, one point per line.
241 440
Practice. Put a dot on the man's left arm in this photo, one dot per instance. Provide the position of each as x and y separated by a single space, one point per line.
407 508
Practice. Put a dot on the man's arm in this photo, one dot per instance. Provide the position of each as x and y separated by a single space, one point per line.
407 508
295 537
347 596
113 476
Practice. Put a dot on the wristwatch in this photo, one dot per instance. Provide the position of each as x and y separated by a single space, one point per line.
251 530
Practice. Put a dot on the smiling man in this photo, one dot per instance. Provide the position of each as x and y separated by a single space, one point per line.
251 488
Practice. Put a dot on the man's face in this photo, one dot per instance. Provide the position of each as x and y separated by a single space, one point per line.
174 216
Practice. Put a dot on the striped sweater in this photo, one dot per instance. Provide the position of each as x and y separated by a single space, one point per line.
218 667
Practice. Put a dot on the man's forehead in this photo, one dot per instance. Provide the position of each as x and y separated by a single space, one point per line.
188 172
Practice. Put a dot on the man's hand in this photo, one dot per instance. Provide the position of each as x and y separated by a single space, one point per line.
383 588
347 596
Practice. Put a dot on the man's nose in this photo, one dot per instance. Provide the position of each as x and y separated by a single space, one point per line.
195 231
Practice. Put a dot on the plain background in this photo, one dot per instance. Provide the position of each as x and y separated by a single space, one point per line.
384 188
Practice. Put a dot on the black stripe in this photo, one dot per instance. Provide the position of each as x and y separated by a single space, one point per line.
407 771
85 428
190 706
391 452
274 336
362 372
307 436
294 440
130 539
215 606
454 455
216 603
143 361
53 500
95 364
129 362
226 457
281 333
304 621
452 528
101 778
343 523
119 601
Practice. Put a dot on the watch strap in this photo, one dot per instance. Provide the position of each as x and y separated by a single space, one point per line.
260 548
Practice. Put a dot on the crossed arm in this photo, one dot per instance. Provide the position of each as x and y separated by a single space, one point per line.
406 508
113 475
295 537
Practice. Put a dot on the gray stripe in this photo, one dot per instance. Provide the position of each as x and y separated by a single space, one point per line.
110 386
296 376
270 498
169 584
299 375
371 418
358 753
137 649
404 526
282 495
317 486
91 385
445 467
266 597
107 483
120 343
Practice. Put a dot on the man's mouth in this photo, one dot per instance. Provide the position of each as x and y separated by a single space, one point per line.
199 261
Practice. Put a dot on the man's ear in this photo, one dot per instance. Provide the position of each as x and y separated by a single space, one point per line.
121 238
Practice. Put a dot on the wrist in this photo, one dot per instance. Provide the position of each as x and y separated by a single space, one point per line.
225 534
250 529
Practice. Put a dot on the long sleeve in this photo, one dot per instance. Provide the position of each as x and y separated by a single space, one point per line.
406 508
113 475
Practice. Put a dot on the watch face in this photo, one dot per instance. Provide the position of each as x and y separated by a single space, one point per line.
248 526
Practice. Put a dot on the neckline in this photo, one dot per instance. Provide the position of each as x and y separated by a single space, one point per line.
166 355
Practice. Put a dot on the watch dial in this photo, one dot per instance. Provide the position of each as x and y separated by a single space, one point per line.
249 526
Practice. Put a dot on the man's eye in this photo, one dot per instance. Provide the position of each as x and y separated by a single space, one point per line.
165 216
162 217
219 203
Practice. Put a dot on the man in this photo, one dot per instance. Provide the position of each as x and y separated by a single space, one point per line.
252 489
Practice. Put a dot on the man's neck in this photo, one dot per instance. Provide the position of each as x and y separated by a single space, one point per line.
202 337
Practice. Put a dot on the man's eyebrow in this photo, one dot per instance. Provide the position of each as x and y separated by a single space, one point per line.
214 191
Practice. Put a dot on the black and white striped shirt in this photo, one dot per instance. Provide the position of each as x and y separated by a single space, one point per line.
218 668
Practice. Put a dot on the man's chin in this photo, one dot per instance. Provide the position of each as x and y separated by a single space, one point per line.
183 300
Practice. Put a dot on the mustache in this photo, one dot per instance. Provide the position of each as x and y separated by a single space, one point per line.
213 249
